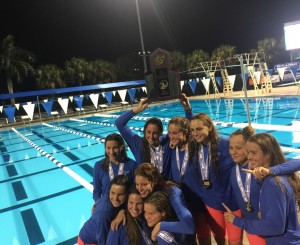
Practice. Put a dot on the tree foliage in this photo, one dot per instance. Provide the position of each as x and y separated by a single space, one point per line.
76 71
49 76
178 60
102 72
196 57
224 52
15 63
274 51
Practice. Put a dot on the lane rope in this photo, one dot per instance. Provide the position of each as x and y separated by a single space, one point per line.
102 140
70 172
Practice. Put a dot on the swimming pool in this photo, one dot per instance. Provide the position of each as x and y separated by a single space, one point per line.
46 170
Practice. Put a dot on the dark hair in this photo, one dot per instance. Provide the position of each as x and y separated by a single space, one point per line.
184 127
133 231
160 201
213 138
246 132
121 180
145 145
151 173
118 138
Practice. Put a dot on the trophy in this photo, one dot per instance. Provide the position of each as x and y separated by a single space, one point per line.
162 83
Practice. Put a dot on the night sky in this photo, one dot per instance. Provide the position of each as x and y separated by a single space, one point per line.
56 30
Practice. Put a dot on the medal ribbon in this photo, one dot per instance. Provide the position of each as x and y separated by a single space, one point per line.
204 163
111 172
157 158
244 191
184 163
147 239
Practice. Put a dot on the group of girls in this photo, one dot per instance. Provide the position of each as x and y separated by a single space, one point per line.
164 219
208 169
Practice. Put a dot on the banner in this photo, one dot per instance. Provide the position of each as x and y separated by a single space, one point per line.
193 84
231 80
78 100
94 98
108 96
64 104
205 82
29 108
132 92
10 113
122 94
48 107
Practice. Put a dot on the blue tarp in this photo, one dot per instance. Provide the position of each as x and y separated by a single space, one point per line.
74 89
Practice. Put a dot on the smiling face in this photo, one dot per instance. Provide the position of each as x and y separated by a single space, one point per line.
200 131
135 205
152 215
176 136
237 149
256 157
143 185
113 150
152 134
117 195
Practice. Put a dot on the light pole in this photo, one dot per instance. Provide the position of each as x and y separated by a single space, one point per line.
141 35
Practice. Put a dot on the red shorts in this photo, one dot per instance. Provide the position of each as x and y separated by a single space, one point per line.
80 242
220 227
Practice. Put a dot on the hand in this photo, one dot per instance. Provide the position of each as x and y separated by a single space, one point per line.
155 231
118 220
141 106
185 102
259 172
229 215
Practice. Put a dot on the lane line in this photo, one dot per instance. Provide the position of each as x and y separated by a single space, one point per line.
102 140
70 172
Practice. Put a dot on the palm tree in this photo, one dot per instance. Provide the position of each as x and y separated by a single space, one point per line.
274 51
76 71
102 72
178 61
49 76
15 63
196 57
224 52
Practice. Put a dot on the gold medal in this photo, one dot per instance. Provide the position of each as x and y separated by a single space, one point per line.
249 207
259 215
206 184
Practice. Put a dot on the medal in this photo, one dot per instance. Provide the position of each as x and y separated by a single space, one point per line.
245 191
259 215
249 207
206 184
204 164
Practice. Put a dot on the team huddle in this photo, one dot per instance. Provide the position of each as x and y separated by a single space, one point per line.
190 184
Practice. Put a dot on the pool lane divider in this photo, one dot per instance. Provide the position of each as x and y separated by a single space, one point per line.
135 117
70 172
105 124
259 126
99 139
221 124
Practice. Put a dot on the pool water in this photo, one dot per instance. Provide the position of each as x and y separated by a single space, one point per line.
46 170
